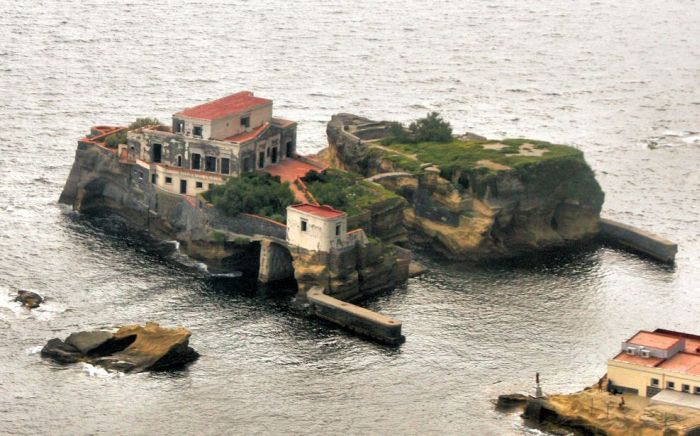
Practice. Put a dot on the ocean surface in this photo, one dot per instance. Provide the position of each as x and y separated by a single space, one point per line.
620 80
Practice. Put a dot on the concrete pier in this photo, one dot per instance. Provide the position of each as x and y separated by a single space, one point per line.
355 318
638 240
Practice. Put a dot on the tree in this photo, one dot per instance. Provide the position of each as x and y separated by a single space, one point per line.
432 128
144 122
256 193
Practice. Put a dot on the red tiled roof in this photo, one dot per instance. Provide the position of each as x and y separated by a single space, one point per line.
683 362
232 104
247 136
320 211
654 340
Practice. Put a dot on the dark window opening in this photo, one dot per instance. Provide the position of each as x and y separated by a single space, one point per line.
274 155
685 388
157 153
245 121
337 230
197 131
168 180
225 165
154 178
179 126
199 185
670 385
183 186
303 225
697 390
655 382
210 164
179 161
290 149
196 161
261 159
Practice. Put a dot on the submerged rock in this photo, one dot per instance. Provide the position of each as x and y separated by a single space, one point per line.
29 299
132 348
509 401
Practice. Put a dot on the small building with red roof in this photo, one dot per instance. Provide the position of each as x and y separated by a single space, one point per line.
319 228
222 138
653 361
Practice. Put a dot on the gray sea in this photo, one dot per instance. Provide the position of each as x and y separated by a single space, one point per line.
618 79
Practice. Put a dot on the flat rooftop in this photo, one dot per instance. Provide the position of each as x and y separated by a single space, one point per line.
660 341
320 211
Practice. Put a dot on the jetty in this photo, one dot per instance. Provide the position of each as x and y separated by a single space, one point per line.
638 240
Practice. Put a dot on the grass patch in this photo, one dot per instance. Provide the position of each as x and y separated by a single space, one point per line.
399 161
345 191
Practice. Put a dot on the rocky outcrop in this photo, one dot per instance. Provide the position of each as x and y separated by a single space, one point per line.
29 299
131 348
495 211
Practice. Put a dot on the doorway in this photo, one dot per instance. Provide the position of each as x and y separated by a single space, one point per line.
183 186
261 159
157 153
290 150
273 158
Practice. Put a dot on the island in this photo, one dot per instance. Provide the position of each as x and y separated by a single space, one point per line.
224 179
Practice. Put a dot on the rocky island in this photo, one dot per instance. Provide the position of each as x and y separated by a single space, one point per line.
225 180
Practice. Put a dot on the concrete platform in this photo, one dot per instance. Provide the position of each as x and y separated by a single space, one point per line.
675 398
638 240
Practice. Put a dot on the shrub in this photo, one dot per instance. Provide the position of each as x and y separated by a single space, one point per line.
143 122
256 193
112 141
432 128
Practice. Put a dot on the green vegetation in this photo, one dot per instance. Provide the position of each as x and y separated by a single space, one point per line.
256 193
400 161
144 122
432 128
345 191
112 141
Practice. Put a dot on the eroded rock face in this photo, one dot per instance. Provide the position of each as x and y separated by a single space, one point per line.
555 202
132 348
29 299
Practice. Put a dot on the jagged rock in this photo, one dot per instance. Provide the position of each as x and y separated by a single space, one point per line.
509 401
29 299
85 342
132 348
61 352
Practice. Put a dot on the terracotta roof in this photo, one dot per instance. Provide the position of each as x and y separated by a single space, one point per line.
320 211
232 104
656 340
683 362
247 136
638 360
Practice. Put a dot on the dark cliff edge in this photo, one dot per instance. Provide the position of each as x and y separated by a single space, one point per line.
476 198
99 182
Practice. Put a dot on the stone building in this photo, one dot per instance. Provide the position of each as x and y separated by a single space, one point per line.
316 228
211 142
659 364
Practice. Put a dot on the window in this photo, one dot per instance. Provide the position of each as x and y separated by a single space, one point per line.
196 161
245 121
670 385
210 164
697 390
337 230
225 165
685 388
261 159
179 161
303 225
655 382
197 131
169 180
631 351
179 126
154 178
199 185
140 175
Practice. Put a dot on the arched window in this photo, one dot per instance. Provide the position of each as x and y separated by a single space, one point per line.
179 161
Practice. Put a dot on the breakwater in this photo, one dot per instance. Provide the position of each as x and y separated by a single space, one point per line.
638 240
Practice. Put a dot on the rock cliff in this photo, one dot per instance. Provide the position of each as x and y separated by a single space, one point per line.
475 198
